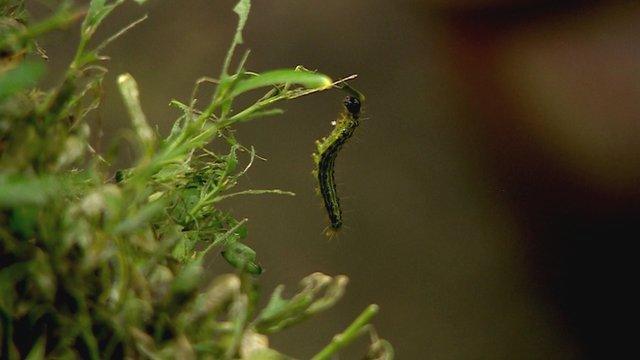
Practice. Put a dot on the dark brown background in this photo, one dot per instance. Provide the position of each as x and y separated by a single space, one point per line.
495 171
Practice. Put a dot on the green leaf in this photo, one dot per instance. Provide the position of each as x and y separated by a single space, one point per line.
260 114
267 354
242 231
277 304
232 160
140 219
24 221
21 191
9 275
318 293
98 11
188 279
20 78
308 79
37 351
242 257
184 249
130 94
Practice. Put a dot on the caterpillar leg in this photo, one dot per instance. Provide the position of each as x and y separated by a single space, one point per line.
331 232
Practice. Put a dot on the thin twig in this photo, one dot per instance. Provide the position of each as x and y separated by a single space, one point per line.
352 332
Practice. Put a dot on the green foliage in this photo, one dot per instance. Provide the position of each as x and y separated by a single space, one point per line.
23 76
100 266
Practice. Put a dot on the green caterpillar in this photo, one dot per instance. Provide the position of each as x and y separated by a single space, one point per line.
327 151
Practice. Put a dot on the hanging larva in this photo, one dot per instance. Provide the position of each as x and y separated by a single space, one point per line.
325 157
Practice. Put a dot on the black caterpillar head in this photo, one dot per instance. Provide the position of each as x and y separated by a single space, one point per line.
352 104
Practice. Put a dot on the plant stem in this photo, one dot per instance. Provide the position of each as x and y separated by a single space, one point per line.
222 239
348 335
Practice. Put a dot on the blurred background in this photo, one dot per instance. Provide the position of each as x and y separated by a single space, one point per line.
490 194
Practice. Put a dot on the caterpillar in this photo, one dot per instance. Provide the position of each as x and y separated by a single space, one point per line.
326 153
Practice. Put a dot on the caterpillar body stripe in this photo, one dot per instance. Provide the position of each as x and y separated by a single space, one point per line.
327 152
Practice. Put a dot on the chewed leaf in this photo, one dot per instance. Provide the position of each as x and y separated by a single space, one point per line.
242 9
319 292
276 304
308 79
